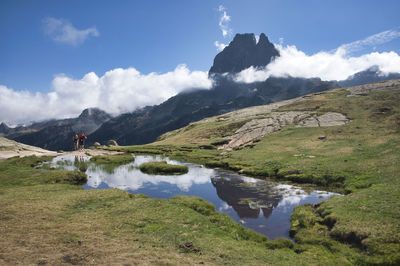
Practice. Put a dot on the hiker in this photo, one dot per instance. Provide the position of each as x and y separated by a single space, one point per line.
82 139
76 138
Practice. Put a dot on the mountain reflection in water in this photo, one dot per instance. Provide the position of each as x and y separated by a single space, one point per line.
246 196
257 204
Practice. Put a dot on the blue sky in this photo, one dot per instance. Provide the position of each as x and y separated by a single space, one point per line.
158 36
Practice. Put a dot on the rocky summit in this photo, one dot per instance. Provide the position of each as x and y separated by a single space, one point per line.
243 52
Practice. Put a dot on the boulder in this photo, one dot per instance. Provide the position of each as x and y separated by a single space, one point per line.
112 142
96 144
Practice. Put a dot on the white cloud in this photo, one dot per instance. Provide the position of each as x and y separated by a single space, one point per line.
335 65
224 22
117 91
63 31
224 27
371 41
220 46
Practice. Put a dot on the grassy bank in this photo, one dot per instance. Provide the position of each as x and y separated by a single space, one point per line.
360 159
47 219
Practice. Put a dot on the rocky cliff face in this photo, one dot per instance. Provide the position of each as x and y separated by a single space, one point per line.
244 52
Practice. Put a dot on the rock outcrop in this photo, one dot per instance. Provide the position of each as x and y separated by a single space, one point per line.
244 52
258 128
112 142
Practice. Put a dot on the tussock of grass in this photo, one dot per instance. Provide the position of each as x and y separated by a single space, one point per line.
118 159
163 168
109 162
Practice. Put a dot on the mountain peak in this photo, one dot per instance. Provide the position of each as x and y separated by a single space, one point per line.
94 113
4 128
263 40
243 52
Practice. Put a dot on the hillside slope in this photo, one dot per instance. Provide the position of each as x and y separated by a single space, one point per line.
10 148
345 139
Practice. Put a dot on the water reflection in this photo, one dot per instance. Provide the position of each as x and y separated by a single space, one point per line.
259 205
247 196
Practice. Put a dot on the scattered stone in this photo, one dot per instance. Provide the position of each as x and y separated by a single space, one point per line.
96 144
322 137
189 247
112 142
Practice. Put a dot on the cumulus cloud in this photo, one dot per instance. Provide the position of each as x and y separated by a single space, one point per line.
334 65
63 31
224 27
117 91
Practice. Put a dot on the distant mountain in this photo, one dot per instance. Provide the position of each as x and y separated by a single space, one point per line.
370 75
244 52
58 134
4 129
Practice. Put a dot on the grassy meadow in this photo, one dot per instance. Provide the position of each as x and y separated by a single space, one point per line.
46 217
360 159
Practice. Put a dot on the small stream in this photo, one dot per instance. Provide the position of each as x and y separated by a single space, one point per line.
260 205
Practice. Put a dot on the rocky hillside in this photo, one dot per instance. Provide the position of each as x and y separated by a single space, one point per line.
144 126
10 148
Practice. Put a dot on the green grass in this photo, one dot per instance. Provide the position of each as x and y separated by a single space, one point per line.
21 172
47 222
118 159
109 162
163 168
360 159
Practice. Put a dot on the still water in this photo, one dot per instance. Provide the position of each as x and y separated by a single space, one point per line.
260 205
